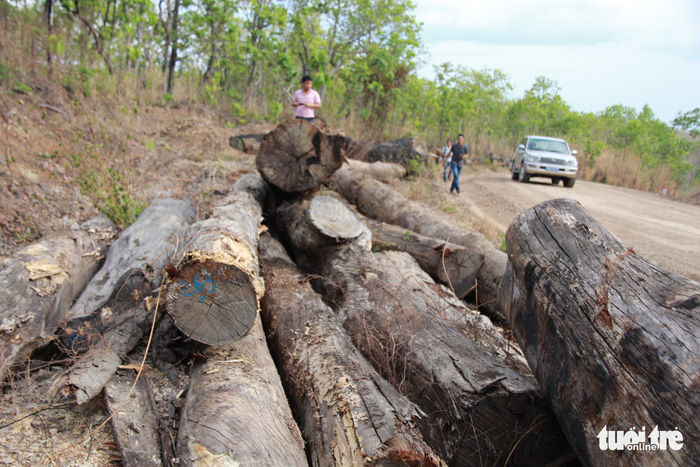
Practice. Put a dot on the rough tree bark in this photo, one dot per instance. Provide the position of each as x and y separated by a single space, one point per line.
215 288
236 412
138 255
298 156
113 312
135 420
350 415
482 409
39 283
405 152
379 201
612 338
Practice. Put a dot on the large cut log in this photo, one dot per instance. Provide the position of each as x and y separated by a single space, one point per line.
408 152
379 201
39 283
298 156
612 338
249 143
236 412
483 408
112 314
350 415
215 287
135 420
109 342
138 255
449 263
384 171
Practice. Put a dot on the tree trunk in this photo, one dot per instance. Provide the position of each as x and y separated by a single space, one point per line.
215 288
350 415
483 408
172 62
249 143
136 423
109 343
236 412
138 257
113 313
381 202
612 338
449 263
407 152
384 171
298 156
38 285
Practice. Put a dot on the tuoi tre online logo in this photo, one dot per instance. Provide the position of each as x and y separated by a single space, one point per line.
631 440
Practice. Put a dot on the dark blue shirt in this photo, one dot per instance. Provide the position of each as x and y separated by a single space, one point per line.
458 152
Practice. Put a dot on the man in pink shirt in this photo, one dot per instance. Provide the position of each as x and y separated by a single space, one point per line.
306 100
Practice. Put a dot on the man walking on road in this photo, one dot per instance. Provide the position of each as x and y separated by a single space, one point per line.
459 152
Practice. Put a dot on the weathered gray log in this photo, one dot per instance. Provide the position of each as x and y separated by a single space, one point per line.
215 288
449 263
39 283
407 152
384 171
249 143
483 409
138 255
113 313
108 343
350 415
612 338
379 201
298 156
236 412
135 421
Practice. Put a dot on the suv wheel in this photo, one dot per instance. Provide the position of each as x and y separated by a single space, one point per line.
513 174
522 176
555 180
569 182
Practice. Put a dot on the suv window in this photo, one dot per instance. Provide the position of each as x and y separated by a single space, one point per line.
548 145
524 142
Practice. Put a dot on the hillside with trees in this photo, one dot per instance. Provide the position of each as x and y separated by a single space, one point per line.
246 59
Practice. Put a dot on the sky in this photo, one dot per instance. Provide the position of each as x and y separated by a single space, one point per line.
600 52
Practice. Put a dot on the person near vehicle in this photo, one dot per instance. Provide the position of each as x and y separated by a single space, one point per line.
306 100
459 152
446 169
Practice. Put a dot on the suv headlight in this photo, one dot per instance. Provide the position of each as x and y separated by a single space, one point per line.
572 162
531 158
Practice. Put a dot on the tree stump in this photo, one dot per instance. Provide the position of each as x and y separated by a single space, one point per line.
350 415
236 412
379 201
39 283
612 338
298 156
215 288
483 408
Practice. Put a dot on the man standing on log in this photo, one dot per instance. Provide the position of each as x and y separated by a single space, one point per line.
459 152
306 100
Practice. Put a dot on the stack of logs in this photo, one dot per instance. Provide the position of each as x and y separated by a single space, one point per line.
332 338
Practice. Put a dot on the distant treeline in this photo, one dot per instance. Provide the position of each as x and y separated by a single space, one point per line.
248 56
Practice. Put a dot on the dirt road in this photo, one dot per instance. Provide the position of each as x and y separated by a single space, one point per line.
662 230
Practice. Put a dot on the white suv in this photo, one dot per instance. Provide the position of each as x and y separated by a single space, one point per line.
541 156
